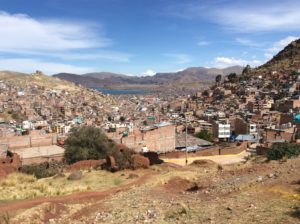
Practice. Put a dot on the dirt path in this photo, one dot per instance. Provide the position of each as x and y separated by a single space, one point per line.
220 159
14 206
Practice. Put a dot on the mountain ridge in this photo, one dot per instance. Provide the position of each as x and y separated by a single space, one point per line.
189 75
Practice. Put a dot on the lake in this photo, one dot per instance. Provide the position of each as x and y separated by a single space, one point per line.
121 91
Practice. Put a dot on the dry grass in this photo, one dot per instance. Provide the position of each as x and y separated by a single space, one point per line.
19 186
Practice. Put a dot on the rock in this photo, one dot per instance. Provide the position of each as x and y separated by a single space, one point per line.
111 164
229 209
140 161
259 179
271 175
76 175
193 187
151 214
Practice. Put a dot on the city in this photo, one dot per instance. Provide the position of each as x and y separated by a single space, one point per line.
216 143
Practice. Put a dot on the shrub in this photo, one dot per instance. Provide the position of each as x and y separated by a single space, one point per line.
87 143
204 134
123 158
39 171
283 150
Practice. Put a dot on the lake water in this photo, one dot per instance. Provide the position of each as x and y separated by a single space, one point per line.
121 91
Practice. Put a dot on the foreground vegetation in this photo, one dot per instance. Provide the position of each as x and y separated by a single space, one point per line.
19 186
88 142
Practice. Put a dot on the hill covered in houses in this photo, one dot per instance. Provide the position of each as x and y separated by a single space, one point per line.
40 97
287 60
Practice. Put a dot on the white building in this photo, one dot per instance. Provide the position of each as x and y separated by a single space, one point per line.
224 131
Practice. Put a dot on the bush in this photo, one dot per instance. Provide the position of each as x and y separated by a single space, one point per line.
87 143
283 150
204 134
123 158
39 171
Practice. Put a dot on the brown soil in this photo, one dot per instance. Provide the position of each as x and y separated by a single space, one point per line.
254 192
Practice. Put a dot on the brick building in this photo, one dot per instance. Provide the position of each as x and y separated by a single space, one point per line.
157 138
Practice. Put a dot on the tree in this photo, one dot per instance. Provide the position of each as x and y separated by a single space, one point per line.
122 118
205 93
86 143
232 77
204 134
246 70
295 75
218 78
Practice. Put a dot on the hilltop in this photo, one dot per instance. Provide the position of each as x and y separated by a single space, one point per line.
22 80
287 60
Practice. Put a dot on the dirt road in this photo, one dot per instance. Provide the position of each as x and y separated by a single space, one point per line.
220 159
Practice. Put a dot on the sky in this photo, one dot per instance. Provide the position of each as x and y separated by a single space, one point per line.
142 37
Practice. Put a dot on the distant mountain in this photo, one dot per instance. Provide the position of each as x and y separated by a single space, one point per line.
189 75
103 75
193 74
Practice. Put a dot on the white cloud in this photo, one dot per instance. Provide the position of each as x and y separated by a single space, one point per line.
179 58
279 45
278 15
203 43
24 36
243 16
31 65
223 62
22 33
149 72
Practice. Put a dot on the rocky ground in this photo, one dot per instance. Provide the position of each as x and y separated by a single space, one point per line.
204 192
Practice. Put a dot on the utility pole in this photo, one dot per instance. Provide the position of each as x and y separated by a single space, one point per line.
186 152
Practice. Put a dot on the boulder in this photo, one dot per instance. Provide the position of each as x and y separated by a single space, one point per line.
140 161
111 164
76 175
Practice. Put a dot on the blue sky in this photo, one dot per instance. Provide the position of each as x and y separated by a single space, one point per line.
141 37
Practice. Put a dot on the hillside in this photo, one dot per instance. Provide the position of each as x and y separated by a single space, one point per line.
251 192
37 85
22 80
188 76
103 75
79 79
286 60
